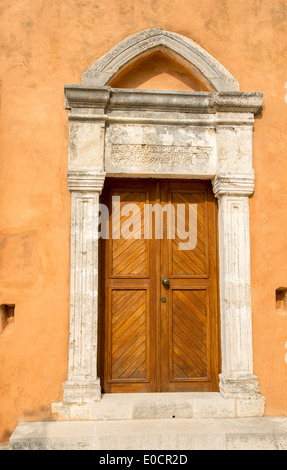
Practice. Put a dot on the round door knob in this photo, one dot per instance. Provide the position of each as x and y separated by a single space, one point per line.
165 282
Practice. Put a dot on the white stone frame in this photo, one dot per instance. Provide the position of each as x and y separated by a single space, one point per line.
217 129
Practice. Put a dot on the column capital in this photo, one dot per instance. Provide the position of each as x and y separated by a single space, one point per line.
233 185
88 181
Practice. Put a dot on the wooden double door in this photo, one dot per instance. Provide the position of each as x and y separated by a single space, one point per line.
158 320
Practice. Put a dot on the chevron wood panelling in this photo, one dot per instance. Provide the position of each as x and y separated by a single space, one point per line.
130 250
189 334
128 334
157 338
193 261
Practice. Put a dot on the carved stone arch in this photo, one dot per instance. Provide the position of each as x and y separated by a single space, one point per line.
185 51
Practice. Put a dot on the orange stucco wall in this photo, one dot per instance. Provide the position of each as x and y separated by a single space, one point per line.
45 45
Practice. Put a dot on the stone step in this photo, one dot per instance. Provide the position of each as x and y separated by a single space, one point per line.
4 446
156 434
184 405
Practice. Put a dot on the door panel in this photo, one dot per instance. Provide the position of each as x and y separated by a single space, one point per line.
129 334
193 259
189 334
128 329
189 318
129 251
157 337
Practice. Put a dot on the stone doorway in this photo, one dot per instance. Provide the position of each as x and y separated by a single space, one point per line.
134 133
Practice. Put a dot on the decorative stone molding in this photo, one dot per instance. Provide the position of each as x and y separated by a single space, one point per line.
88 181
183 49
150 133
233 185
95 99
80 97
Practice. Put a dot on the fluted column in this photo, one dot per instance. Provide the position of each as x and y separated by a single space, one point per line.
237 377
83 383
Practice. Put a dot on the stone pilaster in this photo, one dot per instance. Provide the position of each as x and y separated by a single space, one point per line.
237 378
83 383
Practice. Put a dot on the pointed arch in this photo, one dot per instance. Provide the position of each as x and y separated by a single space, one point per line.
185 51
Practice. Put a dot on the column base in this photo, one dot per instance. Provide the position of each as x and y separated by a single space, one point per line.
241 386
82 391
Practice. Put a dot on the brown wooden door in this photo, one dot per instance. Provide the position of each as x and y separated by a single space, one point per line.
155 337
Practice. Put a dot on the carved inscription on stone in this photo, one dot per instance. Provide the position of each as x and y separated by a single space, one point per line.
130 154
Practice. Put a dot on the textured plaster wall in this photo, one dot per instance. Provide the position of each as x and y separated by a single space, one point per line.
46 44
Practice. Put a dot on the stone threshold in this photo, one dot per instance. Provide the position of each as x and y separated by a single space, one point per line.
156 434
185 405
